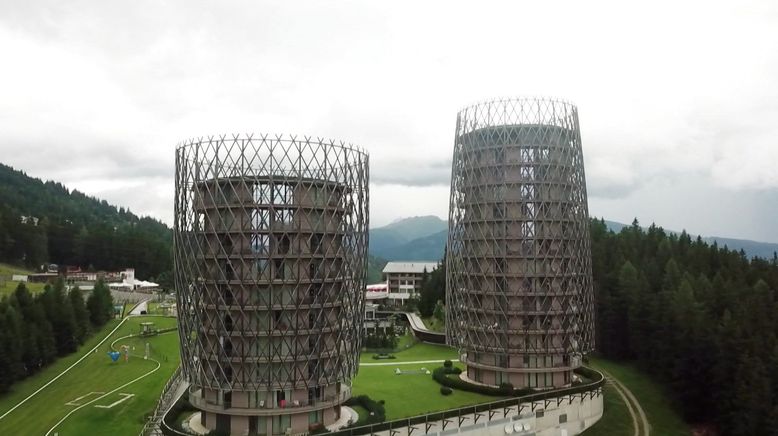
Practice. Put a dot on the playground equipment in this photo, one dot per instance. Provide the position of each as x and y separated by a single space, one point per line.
148 329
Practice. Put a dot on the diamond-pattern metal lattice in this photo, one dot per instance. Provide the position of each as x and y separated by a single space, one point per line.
270 250
519 277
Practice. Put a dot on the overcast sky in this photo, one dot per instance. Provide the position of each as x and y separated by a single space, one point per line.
678 101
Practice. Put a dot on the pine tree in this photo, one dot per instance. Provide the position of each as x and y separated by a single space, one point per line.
80 313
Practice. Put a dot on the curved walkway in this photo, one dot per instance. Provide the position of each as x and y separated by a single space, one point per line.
401 363
635 410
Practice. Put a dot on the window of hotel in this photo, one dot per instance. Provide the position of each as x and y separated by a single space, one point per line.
280 269
284 216
261 193
260 243
315 417
316 242
282 193
260 219
281 424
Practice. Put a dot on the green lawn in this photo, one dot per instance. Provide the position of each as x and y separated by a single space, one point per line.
655 402
7 286
434 324
96 373
420 351
615 420
411 394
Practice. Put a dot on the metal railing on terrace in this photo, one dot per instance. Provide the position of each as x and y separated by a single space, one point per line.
455 418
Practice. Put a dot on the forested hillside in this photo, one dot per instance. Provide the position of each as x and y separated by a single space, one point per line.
699 318
45 222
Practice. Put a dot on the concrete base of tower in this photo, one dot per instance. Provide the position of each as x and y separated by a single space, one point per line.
285 422
536 378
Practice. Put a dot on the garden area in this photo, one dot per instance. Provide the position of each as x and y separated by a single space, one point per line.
413 391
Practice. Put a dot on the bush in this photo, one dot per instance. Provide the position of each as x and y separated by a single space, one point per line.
447 364
445 390
318 429
376 410
440 375
382 356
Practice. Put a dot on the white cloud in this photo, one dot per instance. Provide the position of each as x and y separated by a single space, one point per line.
97 94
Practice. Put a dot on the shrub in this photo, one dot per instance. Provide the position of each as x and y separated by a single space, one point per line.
447 364
440 375
445 390
506 387
382 356
318 429
376 410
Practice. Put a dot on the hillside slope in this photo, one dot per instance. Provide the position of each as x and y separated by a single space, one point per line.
45 222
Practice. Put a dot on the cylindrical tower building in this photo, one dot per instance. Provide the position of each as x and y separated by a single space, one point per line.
519 279
270 245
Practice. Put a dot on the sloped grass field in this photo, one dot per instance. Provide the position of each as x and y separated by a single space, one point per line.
616 421
44 412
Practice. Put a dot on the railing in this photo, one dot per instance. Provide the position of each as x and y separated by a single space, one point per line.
166 400
489 411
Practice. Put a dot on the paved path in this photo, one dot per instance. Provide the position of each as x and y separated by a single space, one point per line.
635 410
401 363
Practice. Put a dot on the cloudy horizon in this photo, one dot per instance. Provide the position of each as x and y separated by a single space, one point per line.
677 102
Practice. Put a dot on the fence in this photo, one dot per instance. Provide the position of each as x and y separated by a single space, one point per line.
166 400
454 418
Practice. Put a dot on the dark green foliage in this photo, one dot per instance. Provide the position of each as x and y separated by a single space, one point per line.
375 266
384 356
74 229
433 290
698 317
100 304
319 429
447 364
445 390
35 329
380 340
375 409
80 313
440 375
508 387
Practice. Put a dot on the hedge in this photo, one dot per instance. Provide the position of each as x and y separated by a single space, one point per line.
376 407
505 390
445 390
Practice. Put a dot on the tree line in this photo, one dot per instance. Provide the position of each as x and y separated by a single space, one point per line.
37 329
699 318
44 222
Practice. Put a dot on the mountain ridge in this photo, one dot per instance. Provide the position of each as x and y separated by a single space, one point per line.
394 245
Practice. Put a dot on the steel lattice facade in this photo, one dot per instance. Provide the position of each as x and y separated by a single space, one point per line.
270 247
519 279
